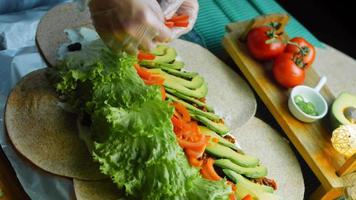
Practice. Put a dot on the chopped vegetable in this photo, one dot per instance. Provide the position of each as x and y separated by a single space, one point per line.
133 140
248 197
1 193
179 18
169 24
306 107
145 56
208 170
181 23
178 21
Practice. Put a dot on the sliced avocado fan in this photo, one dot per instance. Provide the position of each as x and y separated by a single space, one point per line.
193 110
239 179
251 172
190 99
206 131
194 83
221 151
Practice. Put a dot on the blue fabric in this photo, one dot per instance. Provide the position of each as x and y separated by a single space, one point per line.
7 6
215 14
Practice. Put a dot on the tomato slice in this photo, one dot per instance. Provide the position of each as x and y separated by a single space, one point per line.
154 80
194 154
232 196
163 92
180 108
181 23
208 170
169 24
179 18
195 146
145 56
195 162
247 197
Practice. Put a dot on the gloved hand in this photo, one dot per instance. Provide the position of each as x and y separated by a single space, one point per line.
125 25
181 7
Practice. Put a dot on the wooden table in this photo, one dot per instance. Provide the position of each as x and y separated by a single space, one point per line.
9 184
312 140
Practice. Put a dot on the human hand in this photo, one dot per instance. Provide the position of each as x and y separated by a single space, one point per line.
125 25
181 7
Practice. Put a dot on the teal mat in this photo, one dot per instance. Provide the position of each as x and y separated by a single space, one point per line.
215 14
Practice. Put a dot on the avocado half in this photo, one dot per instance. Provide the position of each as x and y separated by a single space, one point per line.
343 110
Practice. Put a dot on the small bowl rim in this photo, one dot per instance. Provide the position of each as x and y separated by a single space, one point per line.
292 95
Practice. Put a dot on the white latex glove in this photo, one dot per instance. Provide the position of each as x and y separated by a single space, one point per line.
181 7
125 25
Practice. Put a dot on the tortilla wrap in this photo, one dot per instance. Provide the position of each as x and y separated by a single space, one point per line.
44 133
259 139
255 137
229 94
96 190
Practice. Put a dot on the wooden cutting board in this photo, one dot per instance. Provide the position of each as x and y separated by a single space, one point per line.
312 140
9 184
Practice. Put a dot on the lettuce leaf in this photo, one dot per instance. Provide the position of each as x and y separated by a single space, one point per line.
134 140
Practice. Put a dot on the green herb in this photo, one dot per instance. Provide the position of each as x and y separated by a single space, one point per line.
306 107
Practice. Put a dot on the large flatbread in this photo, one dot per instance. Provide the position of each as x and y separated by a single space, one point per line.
96 190
44 133
228 93
260 140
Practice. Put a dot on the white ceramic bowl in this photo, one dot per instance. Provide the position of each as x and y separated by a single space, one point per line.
310 95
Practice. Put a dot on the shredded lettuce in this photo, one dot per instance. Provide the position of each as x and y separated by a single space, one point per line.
134 140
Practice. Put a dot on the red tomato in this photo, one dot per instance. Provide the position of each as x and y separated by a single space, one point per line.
261 46
287 72
300 45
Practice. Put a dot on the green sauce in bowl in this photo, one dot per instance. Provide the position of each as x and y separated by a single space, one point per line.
306 107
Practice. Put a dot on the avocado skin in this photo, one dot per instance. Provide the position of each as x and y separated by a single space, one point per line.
221 151
239 179
252 172
337 117
206 131
193 110
177 65
219 128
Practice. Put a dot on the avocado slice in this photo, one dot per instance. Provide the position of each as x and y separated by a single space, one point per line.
244 182
219 128
343 110
195 83
169 55
251 172
221 151
206 131
154 64
198 93
159 50
190 99
182 74
193 110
